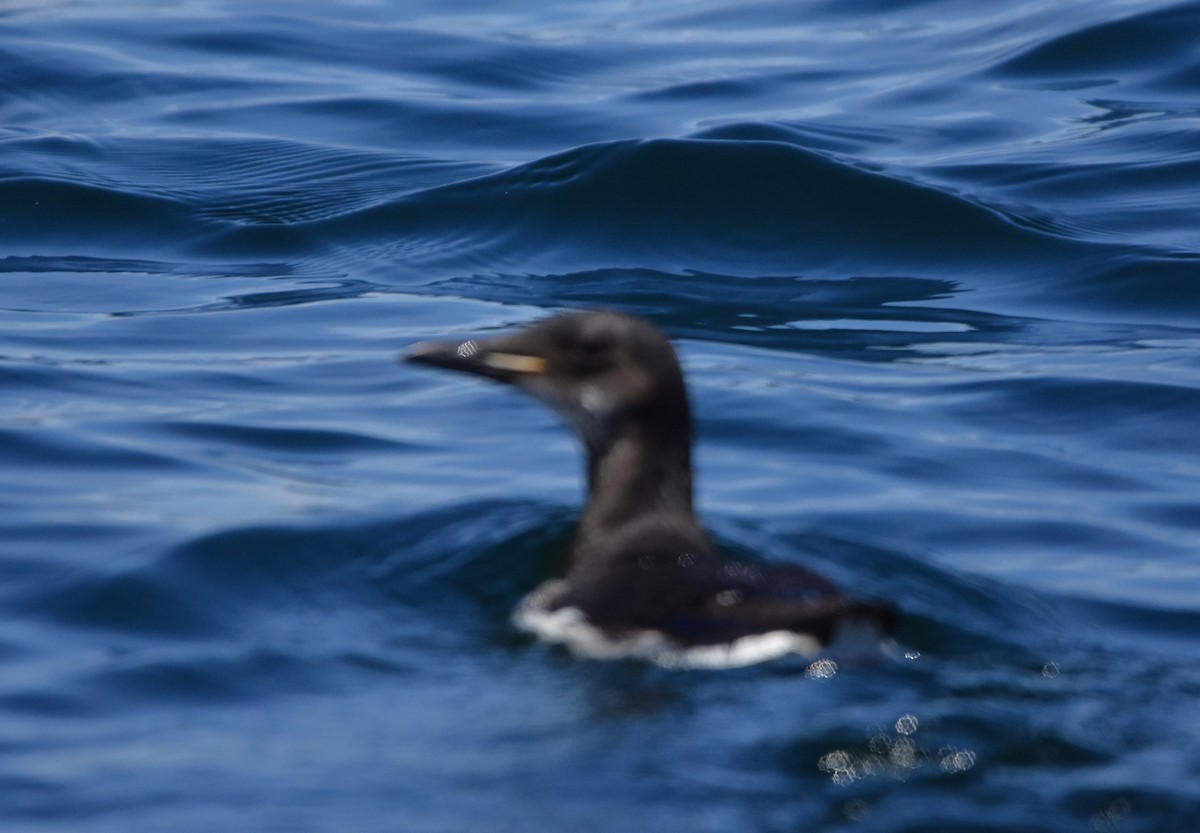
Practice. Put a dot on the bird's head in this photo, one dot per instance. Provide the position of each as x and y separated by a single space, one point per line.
604 372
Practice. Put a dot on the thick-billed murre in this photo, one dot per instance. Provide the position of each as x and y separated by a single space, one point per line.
642 577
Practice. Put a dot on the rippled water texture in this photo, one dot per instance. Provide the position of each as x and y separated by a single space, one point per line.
934 272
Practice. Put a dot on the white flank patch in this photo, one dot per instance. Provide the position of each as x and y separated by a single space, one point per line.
568 626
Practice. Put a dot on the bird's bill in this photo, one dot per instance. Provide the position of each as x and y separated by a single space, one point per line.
483 358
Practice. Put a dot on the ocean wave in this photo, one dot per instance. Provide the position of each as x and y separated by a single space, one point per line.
675 204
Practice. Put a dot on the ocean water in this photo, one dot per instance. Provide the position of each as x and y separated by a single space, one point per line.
933 269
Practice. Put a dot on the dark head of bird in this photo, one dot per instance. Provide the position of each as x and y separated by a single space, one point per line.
616 380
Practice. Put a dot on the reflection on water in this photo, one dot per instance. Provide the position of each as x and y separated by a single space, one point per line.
895 754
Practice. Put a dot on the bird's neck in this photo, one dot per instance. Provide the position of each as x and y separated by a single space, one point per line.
643 469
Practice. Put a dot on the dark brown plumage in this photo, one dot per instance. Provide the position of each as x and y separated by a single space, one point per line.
640 562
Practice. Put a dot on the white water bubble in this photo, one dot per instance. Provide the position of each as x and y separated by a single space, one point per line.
822 669
957 760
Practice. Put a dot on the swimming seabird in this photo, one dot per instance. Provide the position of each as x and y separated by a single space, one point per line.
642 577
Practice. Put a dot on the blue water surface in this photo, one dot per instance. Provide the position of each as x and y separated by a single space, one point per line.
933 268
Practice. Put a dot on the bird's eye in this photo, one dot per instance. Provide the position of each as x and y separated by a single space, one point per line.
593 351
594 345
